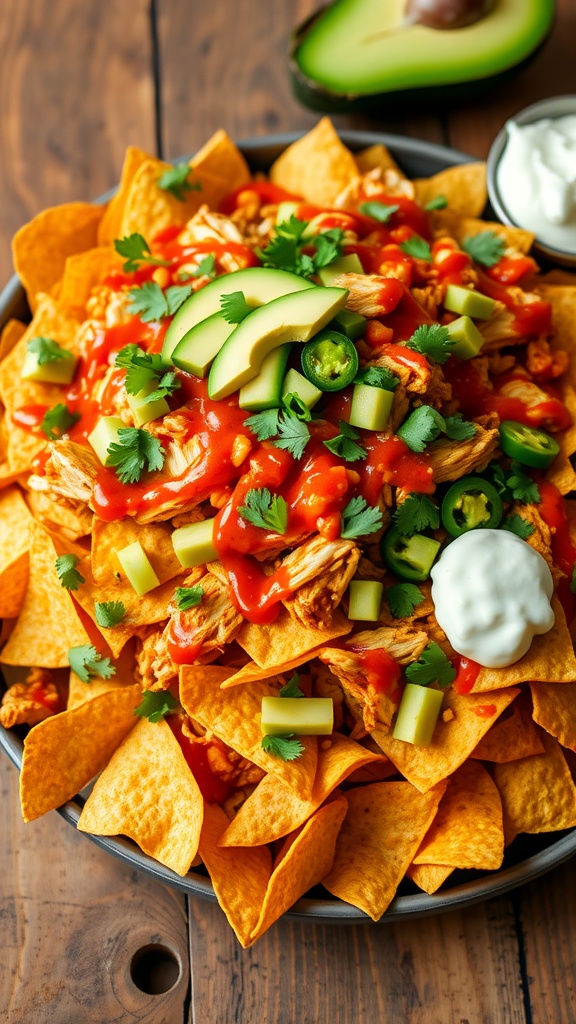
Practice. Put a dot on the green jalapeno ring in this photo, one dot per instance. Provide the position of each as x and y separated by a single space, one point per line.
410 558
330 360
471 503
527 445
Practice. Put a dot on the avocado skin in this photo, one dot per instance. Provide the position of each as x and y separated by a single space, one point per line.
319 97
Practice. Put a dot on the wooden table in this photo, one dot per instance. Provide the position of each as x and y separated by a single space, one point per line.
79 81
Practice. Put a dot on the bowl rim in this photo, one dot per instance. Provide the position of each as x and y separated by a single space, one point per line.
327 910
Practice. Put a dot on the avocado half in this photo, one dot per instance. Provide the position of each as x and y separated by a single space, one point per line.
356 55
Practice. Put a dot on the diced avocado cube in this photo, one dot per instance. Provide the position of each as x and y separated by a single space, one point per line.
57 371
138 569
365 600
420 551
145 412
370 409
468 301
307 716
265 390
344 265
353 325
285 210
104 434
296 383
417 715
468 339
193 544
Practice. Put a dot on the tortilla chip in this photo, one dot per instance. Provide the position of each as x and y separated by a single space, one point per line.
273 810
317 167
449 222
82 272
464 187
240 876
109 226
149 209
385 824
286 640
220 168
109 538
538 793
65 519
453 740
377 156
555 710
48 624
467 831
513 736
234 717
306 858
125 675
251 671
562 473
428 877
76 744
40 248
147 792
550 658
15 522
11 334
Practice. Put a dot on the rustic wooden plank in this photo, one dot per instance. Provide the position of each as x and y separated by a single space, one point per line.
547 911
77 87
72 919
456 967
226 66
473 126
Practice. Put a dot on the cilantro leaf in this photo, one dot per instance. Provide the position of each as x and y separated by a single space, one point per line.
67 572
437 203
135 250
458 429
403 598
377 377
344 444
167 385
287 748
144 369
188 597
109 613
495 473
378 211
234 307
134 449
47 351
485 248
518 525
266 510
151 303
292 689
264 424
155 704
423 425
432 340
57 421
176 295
86 662
418 248
359 519
416 514
293 435
328 245
522 486
175 180
432 667
206 267
285 248
296 407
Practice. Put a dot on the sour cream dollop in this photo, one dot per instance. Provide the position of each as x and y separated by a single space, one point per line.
537 179
491 594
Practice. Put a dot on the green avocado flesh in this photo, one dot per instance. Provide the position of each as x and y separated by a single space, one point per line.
136 565
307 716
365 47
417 715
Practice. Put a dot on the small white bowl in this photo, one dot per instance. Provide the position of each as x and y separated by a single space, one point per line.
553 107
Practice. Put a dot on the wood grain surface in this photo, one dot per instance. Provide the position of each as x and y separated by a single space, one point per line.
80 81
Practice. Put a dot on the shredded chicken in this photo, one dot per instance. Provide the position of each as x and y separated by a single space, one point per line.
379 179
545 362
71 470
314 603
415 373
541 538
316 556
21 704
213 623
366 293
452 459
156 670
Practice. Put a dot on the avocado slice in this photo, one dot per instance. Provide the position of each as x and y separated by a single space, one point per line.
294 317
356 55
417 715
265 390
259 285
307 716
138 569
201 344
193 544
349 264
365 598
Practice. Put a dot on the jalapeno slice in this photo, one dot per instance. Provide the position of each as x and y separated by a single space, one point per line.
330 360
527 445
471 503
411 558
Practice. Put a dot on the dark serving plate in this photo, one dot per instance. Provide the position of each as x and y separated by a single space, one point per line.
527 857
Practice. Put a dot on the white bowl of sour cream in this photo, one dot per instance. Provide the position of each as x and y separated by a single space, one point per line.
532 176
